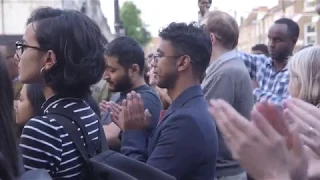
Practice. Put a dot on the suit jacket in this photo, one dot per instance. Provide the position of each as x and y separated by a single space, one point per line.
184 144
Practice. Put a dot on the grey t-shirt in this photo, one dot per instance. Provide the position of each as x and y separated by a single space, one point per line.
227 78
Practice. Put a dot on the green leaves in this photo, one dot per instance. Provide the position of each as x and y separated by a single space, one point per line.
133 24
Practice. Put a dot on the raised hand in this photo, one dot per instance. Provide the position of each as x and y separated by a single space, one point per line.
256 140
114 110
297 155
307 120
133 116
103 105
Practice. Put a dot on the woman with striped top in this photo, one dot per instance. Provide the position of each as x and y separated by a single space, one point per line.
63 50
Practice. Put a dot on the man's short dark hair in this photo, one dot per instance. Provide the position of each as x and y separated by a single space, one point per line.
192 40
261 47
293 27
128 51
77 43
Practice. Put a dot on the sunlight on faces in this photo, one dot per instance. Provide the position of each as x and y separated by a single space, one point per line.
32 60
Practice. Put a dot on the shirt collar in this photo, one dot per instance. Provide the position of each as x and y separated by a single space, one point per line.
270 63
223 58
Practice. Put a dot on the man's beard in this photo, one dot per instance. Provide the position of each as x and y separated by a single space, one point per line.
168 81
281 57
124 84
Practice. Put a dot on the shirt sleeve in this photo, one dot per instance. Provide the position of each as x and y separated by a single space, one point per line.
41 145
174 154
134 143
253 62
262 95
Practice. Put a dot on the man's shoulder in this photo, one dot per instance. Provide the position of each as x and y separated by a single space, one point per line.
149 94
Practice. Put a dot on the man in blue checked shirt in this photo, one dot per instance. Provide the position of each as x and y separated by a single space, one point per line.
270 75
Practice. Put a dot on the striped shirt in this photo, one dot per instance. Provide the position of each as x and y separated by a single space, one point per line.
45 144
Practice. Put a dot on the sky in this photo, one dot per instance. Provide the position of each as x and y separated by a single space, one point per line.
159 13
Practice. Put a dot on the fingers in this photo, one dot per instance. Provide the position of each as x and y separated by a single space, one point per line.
301 125
305 112
297 146
264 127
222 120
231 133
140 104
147 118
311 144
103 105
274 117
135 105
125 114
129 103
309 108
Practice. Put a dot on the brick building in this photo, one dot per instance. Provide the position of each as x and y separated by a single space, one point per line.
254 28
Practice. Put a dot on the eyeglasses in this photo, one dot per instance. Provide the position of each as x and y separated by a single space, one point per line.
157 56
20 48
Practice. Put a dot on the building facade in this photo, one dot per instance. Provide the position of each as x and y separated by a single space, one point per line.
14 14
254 28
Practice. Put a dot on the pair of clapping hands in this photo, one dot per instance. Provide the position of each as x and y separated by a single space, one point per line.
130 114
266 147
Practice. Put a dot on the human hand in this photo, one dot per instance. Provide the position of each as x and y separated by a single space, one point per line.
103 105
307 120
297 153
254 140
133 116
114 110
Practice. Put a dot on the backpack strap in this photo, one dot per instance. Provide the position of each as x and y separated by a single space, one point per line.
75 135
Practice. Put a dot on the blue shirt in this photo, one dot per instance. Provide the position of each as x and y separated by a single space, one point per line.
273 84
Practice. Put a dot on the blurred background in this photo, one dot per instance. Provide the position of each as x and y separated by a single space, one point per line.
142 19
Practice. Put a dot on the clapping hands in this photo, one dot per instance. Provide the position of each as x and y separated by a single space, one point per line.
265 146
131 115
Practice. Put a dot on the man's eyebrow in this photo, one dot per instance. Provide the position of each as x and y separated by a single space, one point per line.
159 51
108 66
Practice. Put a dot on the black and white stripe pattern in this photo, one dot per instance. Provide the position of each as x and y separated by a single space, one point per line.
45 145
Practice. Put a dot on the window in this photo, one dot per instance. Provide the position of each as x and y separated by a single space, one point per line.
310 5
310 34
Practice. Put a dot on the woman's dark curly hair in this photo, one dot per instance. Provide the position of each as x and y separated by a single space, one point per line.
78 45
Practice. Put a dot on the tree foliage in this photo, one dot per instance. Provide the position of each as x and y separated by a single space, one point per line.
133 24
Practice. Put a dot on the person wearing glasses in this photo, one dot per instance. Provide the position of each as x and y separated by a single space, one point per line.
64 51
227 78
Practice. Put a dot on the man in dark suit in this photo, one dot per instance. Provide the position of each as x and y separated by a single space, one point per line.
184 144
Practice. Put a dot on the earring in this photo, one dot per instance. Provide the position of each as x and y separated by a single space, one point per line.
42 70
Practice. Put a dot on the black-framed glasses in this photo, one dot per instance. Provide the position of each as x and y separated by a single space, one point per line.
20 48
157 56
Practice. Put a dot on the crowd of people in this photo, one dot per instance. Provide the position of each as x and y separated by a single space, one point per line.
196 109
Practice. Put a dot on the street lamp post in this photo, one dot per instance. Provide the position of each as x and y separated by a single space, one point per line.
118 25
